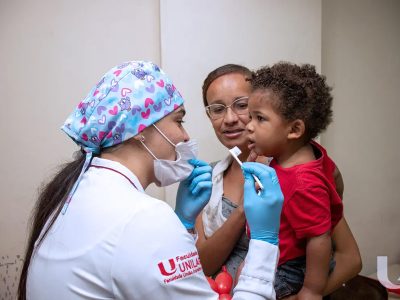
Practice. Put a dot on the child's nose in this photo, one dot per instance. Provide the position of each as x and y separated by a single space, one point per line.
249 127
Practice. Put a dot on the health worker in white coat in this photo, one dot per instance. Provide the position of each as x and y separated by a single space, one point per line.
96 234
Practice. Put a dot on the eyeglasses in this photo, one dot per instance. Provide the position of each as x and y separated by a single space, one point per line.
217 111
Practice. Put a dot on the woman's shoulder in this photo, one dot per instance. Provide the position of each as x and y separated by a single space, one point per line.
220 166
143 201
130 202
214 163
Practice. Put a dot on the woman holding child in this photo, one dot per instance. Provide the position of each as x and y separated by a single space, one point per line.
221 226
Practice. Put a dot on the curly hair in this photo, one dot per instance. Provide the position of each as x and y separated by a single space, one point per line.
220 71
301 93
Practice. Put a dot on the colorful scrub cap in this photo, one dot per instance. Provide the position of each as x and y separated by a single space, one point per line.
129 98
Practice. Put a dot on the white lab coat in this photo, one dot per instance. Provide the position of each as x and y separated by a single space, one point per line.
116 242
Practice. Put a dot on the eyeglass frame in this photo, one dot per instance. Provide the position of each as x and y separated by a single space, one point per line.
225 108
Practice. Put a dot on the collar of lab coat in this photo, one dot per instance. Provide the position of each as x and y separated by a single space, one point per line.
116 166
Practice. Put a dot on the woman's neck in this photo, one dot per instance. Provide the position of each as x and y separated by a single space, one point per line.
233 183
137 161
244 155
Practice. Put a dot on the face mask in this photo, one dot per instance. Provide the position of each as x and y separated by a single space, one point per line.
168 172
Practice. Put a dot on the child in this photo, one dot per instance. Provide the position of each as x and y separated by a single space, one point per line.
289 106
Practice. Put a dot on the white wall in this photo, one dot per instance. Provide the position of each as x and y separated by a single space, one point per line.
361 58
202 35
51 53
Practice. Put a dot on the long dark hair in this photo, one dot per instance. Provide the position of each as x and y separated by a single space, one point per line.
48 206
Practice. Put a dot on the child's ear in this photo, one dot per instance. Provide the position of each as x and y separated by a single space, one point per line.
296 129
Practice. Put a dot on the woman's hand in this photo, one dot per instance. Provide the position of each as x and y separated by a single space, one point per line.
194 193
262 209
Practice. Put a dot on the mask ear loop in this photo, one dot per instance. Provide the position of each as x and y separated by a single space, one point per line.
141 140
88 159
178 155
169 141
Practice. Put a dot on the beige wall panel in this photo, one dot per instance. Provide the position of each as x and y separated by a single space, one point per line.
51 53
361 58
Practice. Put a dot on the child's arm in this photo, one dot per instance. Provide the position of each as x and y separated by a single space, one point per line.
347 257
214 251
318 253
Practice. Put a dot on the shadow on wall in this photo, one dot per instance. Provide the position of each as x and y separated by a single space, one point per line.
10 267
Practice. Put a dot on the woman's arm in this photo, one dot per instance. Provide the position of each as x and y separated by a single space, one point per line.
214 251
339 184
347 257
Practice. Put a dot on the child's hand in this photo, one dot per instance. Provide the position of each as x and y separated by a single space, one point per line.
252 156
306 294
293 297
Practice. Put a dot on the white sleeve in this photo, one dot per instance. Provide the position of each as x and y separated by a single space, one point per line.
256 280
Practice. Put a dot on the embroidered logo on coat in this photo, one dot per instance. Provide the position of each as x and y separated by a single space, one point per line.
180 266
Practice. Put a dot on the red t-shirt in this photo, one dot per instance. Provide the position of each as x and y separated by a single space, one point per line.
311 204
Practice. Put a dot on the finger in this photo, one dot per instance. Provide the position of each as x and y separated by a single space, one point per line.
249 182
262 159
197 162
252 156
200 170
255 168
202 186
198 179
266 174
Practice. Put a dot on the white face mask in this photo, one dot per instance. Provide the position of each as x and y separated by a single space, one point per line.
168 172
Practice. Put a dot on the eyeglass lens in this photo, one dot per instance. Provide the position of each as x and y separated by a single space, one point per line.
239 107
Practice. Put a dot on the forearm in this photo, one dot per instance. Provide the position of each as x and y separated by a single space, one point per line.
214 250
318 252
347 257
346 268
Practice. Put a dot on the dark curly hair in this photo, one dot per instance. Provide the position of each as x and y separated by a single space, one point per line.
220 71
301 93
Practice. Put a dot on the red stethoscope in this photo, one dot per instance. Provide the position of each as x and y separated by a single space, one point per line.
118 172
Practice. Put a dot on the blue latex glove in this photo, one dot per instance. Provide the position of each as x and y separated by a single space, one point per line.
262 209
194 193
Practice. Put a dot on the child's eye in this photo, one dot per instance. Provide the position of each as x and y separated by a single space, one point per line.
180 121
259 118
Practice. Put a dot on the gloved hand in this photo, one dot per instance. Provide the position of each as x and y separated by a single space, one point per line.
194 193
262 209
